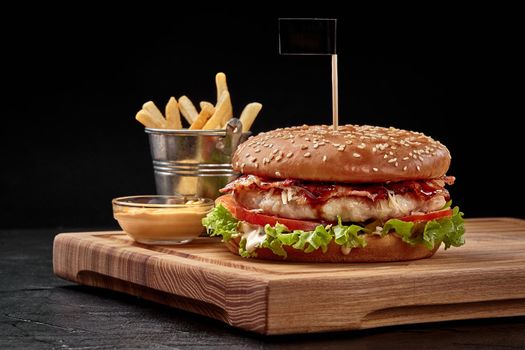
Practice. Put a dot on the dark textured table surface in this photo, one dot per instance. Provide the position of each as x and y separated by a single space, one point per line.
40 311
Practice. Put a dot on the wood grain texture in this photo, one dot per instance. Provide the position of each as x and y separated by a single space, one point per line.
484 278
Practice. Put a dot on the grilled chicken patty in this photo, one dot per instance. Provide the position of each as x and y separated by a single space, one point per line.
308 201
350 208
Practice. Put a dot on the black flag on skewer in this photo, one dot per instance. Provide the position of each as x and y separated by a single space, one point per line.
312 36
307 36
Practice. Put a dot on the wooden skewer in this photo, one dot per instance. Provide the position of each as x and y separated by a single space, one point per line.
335 94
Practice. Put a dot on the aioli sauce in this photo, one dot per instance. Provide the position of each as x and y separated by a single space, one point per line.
254 235
162 225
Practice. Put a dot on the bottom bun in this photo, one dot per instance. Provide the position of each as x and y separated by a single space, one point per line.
378 249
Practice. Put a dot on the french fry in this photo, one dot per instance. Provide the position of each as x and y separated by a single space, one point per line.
203 117
147 120
227 113
249 114
154 113
222 112
222 87
187 109
173 114
210 116
209 104
220 82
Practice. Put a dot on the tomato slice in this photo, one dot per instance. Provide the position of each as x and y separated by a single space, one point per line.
428 216
241 213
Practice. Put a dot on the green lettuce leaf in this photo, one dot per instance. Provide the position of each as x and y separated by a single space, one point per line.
275 238
349 236
279 236
312 240
220 222
450 231
402 228
455 235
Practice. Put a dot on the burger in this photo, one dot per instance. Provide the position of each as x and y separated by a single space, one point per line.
356 194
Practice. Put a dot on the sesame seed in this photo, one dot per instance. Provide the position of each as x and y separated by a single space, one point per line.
336 144
391 153
254 160
288 155
307 138
405 168
247 155
292 141
304 146
277 173
275 151
266 160
324 158
256 165
316 145
356 155
385 156
278 158
307 154
375 169
257 150
374 149
348 142
361 146
418 168
396 164
406 158
392 160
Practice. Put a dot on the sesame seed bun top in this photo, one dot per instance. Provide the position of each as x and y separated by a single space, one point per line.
352 154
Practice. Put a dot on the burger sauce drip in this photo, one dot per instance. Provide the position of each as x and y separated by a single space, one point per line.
317 194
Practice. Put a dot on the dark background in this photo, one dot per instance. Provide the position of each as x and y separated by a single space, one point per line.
73 80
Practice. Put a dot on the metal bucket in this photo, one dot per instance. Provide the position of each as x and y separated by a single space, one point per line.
194 162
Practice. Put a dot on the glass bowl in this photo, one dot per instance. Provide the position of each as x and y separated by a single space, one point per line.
159 219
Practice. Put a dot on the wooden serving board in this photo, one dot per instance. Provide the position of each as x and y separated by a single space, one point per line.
484 278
